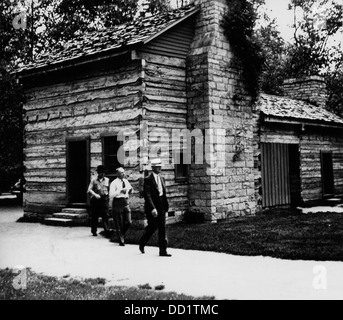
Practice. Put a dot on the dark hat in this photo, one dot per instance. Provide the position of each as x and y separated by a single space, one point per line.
100 169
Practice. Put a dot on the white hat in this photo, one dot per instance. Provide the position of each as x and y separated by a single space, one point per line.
156 163
121 170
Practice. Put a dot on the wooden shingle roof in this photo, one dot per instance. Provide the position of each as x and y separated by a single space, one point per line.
137 32
289 109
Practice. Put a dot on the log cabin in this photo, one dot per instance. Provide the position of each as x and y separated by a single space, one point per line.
167 73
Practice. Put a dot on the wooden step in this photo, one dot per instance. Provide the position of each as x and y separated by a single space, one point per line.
75 210
68 217
73 216
59 222
8 199
7 196
333 201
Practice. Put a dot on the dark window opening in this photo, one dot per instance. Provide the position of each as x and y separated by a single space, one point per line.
110 154
327 173
294 172
171 214
181 169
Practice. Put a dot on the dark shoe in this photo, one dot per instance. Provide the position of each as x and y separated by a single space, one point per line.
95 234
121 241
165 255
112 240
141 248
107 234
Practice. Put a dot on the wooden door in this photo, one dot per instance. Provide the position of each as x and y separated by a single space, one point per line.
276 189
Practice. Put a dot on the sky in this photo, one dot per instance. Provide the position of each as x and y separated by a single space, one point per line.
279 9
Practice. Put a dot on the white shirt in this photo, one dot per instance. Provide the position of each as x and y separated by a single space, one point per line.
159 183
117 186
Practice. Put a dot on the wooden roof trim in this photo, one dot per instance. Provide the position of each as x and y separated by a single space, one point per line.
55 66
314 123
175 23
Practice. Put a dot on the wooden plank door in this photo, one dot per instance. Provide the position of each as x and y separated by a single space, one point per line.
275 175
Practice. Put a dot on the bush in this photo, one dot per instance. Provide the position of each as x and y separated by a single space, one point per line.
194 217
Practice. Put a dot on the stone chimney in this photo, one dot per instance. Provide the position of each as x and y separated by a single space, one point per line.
181 3
311 89
219 105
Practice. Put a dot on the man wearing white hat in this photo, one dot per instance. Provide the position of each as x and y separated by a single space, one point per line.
120 190
156 207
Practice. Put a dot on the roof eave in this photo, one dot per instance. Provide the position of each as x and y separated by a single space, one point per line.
76 61
175 23
107 53
296 121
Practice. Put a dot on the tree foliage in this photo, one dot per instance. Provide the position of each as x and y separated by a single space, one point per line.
67 18
14 46
313 51
274 51
238 24
61 20
42 25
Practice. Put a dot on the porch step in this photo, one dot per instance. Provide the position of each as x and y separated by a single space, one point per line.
7 198
72 216
7 195
75 210
68 217
59 222
333 201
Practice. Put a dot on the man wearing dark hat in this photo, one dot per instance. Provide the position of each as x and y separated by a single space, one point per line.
98 190
156 207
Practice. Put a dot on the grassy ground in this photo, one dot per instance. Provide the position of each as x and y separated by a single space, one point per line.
40 287
283 234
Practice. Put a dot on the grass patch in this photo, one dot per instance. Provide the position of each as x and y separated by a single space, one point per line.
284 234
40 287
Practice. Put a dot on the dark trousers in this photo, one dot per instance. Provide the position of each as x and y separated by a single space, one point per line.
121 216
153 224
99 208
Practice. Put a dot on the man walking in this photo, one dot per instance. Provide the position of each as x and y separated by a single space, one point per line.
120 190
156 207
98 190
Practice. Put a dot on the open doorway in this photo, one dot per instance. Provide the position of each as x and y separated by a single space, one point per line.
78 163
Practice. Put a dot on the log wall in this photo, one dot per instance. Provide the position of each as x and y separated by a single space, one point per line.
100 104
311 141
151 89
96 102
165 110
